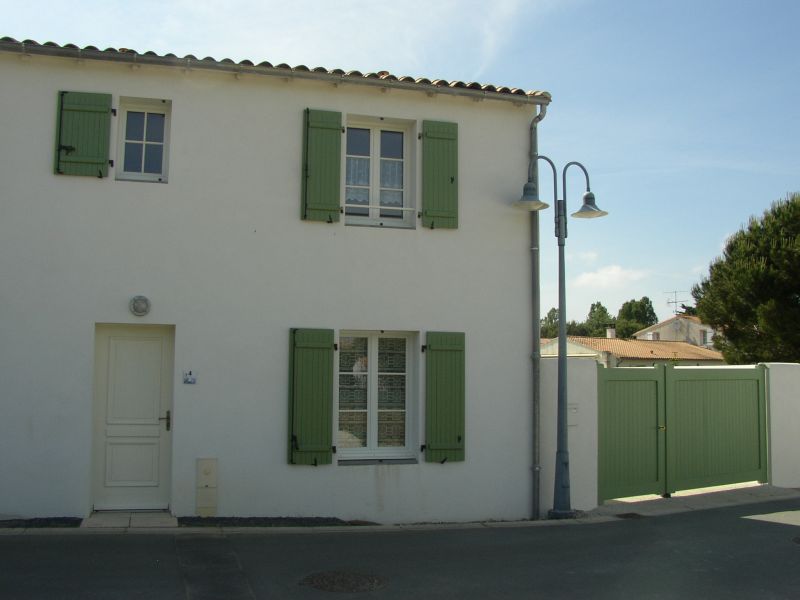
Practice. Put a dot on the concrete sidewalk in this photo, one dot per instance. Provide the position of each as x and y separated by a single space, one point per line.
692 500
114 522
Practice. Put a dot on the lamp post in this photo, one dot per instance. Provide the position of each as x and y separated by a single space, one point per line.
530 199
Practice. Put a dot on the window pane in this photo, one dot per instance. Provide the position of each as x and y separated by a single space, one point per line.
392 355
352 392
391 198
391 144
357 196
134 126
392 174
153 156
357 141
391 428
352 430
133 157
353 354
357 171
391 392
155 127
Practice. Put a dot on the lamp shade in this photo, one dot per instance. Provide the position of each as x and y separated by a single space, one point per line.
530 198
589 209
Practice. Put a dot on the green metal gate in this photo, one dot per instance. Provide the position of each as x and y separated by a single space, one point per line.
665 428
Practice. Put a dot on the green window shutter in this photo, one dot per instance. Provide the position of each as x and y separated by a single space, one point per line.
311 397
444 397
439 175
322 165
82 129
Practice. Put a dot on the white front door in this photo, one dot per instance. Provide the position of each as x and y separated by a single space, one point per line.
132 416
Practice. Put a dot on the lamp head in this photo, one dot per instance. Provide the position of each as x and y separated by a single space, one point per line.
589 209
530 198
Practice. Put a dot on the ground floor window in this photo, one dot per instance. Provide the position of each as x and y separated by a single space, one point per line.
374 379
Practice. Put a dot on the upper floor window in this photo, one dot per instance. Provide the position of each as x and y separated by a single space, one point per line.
373 172
377 190
143 139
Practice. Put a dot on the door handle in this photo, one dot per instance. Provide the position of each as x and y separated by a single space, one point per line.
660 427
168 419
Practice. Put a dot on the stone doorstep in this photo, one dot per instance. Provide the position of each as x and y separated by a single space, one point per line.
132 520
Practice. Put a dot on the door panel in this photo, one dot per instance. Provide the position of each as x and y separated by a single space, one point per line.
133 392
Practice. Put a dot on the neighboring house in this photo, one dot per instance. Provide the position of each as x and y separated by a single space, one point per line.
242 289
680 328
615 352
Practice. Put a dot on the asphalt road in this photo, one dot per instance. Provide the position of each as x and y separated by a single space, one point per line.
702 554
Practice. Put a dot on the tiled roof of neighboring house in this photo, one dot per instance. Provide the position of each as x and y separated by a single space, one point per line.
660 324
646 349
380 79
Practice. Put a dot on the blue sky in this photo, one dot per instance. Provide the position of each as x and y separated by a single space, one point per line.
685 112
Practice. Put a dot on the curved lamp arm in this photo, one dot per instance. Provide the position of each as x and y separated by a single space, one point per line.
555 174
564 177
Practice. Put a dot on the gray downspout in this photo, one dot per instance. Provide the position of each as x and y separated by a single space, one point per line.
536 355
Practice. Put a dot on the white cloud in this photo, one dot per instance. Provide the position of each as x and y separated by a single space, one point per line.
609 277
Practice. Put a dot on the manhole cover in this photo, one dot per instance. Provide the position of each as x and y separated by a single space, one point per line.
344 581
630 515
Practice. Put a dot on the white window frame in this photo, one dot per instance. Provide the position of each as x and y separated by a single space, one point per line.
372 450
375 125
145 105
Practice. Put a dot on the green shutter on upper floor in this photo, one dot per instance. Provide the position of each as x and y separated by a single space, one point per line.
322 165
444 397
311 397
83 124
439 175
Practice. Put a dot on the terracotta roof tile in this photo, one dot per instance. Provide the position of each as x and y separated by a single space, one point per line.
645 349
385 78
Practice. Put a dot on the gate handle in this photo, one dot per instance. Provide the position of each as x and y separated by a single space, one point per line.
168 419
660 427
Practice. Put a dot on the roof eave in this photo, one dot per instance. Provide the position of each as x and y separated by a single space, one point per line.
192 63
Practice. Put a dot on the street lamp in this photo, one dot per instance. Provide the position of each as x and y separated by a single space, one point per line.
530 200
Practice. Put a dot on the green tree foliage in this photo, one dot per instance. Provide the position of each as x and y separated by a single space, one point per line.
635 315
688 310
549 325
594 325
598 319
752 292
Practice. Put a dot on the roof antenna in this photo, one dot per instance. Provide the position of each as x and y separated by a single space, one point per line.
675 302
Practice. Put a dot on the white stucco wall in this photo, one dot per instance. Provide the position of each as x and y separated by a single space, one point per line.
224 257
783 393
582 431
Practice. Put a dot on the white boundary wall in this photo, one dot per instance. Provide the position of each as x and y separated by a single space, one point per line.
582 431
783 410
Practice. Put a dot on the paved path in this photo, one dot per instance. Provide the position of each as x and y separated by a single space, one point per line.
738 551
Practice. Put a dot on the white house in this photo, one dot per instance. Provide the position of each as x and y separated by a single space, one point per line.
680 328
257 290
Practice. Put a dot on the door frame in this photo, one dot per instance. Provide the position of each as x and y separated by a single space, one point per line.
103 332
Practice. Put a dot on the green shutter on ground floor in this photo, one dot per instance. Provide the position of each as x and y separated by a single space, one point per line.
444 397
439 175
83 124
311 397
322 165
